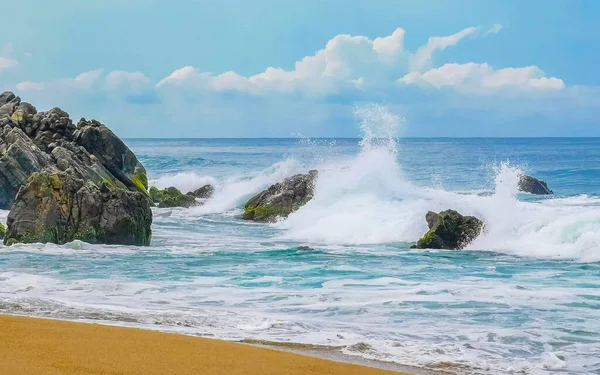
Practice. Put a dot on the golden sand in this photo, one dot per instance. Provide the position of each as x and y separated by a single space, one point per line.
46 347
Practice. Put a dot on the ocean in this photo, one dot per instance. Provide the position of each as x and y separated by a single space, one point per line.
523 298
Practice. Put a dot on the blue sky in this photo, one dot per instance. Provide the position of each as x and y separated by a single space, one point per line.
267 68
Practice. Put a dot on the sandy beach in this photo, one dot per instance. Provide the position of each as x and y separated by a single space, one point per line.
43 346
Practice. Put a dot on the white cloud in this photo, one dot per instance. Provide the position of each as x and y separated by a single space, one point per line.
344 59
129 83
422 58
480 78
495 29
84 81
348 66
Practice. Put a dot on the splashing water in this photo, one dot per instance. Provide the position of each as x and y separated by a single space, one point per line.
522 298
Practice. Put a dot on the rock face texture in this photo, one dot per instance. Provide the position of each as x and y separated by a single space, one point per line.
57 207
281 199
532 185
44 155
171 197
449 230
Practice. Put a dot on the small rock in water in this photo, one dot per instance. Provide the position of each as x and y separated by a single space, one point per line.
305 248
204 192
281 199
171 197
449 230
532 185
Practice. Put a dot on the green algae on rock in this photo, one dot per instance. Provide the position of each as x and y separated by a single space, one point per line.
45 150
281 199
449 230
171 197
56 207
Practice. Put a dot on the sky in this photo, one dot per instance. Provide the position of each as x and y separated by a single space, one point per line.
288 68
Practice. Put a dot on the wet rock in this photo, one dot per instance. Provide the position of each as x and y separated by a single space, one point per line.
449 230
281 199
203 192
532 185
305 248
171 197
57 207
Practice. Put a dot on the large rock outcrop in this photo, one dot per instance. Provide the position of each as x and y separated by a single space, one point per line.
281 199
532 185
49 142
57 207
449 230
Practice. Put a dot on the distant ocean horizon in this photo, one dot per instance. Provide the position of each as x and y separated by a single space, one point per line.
523 298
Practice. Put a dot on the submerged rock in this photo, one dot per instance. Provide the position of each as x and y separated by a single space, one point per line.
532 185
171 197
204 192
281 199
49 142
57 207
305 248
449 230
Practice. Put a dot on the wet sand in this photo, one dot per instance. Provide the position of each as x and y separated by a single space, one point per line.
31 346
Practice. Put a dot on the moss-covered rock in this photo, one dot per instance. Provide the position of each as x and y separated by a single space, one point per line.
449 230
56 207
281 199
171 197
2 231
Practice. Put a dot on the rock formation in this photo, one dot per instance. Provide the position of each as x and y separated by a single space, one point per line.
281 199
449 230
83 158
171 197
59 208
203 192
532 185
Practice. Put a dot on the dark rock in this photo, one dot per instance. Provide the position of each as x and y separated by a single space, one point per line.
112 153
532 185
281 199
171 197
204 192
449 230
32 141
304 248
6 97
57 207
19 158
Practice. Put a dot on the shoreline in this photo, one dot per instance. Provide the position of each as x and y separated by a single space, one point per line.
31 345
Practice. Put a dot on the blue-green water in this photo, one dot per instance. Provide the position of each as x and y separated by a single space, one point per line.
523 298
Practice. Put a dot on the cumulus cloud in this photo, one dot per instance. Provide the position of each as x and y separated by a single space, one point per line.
349 66
84 81
345 59
480 78
131 83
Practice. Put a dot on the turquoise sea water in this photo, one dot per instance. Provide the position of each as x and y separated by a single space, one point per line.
523 298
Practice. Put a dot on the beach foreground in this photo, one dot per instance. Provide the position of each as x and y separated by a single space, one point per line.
42 346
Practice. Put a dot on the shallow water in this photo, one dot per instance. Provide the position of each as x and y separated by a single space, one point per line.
523 298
